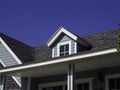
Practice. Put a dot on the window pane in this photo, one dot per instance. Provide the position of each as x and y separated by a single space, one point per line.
66 53
67 47
61 48
112 84
86 86
44 89
61 54
60 87
49 88
54 88
118 83
79 87
64 50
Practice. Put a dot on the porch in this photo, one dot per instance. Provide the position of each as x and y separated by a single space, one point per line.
87 73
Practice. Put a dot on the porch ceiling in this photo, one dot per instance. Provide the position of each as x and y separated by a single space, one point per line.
102 61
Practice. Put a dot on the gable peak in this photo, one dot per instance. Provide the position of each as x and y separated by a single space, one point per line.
58 33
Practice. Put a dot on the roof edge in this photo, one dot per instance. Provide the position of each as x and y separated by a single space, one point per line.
58 33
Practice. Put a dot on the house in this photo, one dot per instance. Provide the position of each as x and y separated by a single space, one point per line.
65 62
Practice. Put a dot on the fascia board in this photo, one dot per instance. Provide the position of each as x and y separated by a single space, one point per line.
67 59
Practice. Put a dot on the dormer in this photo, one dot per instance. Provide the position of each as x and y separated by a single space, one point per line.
65 43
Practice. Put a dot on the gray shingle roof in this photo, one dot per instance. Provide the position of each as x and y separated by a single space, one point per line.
42 53
23 51
102 40
27 53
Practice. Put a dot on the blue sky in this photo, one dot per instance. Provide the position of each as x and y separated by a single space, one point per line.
34 21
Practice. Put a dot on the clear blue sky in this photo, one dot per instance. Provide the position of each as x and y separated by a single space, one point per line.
34 21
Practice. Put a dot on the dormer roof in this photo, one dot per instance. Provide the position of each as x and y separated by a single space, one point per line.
61 31
56 35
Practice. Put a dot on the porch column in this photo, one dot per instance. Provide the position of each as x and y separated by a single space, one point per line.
71 77
3 82
29 83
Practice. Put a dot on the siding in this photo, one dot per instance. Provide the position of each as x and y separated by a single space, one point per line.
64 38
7 59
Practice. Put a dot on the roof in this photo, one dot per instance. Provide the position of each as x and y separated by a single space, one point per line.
23 52
62 31
103 40
58 33
26 53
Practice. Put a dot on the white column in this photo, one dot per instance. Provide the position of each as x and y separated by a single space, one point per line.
3 82
71 77
29 83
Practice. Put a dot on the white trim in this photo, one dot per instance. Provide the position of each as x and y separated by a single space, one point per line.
12 76
2 63
66 59
3 82
86 80
63 43
107 77
63 83
10 51
16 81
75 47
71 77
53 54
57 34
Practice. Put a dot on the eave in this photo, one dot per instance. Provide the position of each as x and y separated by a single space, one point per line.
68 59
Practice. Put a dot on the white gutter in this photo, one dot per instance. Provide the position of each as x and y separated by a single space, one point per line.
97 53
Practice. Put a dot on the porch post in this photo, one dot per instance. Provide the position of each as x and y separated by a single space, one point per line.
29 83
71 77
3 82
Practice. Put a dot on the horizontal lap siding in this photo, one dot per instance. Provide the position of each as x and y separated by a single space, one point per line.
6 58
65 39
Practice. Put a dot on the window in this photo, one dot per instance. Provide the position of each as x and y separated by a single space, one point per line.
112 82
83 86
53 88
80 84
64 48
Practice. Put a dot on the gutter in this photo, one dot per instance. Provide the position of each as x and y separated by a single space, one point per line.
60 60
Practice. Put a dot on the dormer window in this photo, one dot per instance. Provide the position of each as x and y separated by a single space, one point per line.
64 48
65 43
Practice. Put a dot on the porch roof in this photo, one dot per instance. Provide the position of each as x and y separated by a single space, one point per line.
59 65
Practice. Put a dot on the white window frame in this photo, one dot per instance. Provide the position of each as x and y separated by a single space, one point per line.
63 43
63 83
107 77
75 49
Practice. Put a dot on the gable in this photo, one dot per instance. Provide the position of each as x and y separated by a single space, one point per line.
64 42
63 39
58 33
6 58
